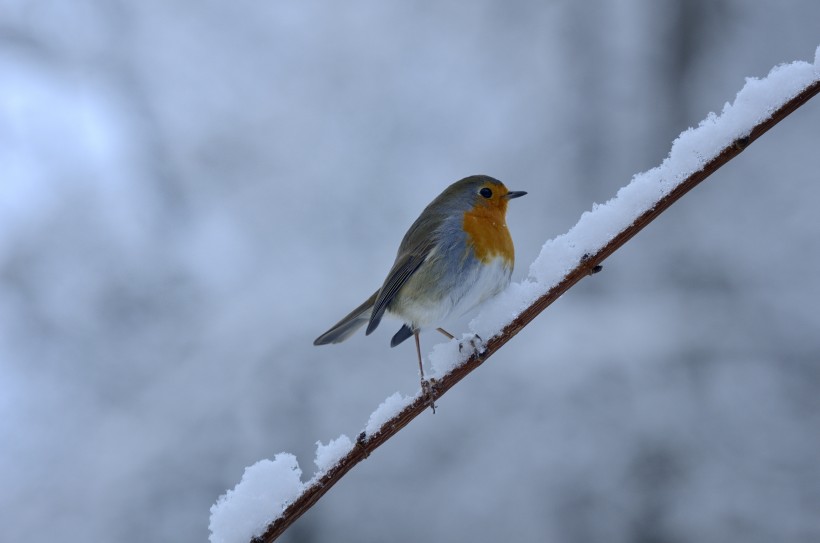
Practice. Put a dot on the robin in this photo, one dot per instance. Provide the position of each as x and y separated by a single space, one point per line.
456 255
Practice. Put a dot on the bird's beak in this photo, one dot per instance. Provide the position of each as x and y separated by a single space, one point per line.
515 194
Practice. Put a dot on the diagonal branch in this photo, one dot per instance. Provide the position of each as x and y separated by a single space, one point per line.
588 265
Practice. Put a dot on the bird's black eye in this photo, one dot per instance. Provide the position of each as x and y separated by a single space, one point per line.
485 192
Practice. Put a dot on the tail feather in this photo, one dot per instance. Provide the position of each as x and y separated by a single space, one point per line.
349 324
403 333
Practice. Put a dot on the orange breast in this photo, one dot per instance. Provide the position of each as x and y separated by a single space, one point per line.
487 234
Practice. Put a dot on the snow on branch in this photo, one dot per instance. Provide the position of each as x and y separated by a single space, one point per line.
271 494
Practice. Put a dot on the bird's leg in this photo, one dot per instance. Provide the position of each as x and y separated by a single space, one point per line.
446 333
426 387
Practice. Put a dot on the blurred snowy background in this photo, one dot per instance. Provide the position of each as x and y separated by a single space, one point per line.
190 192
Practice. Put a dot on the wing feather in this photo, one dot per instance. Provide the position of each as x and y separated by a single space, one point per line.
403 269
415 249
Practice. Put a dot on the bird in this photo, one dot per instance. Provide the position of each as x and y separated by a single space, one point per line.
456 255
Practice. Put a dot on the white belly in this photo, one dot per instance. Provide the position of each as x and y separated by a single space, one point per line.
475 286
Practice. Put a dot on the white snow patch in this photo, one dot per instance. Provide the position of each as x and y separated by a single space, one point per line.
445 356
448 355
387 410
329 455
259 498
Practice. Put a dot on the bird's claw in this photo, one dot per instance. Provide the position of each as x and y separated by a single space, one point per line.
475 343
428 390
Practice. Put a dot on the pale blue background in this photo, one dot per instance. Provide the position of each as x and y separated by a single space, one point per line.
190 192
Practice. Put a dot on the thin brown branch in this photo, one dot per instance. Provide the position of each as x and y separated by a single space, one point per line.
588 265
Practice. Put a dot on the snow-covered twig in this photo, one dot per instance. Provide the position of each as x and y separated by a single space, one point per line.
695 155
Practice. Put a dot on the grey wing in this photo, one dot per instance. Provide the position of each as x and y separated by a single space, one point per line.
402 270
349 324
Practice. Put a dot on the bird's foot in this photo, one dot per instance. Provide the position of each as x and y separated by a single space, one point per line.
428 390
475 345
